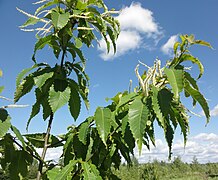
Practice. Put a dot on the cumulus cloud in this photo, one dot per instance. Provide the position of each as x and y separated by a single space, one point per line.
203 146
137 26
127 41
167 48
214 111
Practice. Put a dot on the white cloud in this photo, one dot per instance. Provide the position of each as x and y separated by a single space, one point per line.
167 48
203 146
138 26
127 41
137 18
214 111
52 153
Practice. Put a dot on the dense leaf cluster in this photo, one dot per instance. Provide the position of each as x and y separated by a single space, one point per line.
92 149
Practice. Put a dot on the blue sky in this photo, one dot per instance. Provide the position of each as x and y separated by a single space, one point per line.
149 29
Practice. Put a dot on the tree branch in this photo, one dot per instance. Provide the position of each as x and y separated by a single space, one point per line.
39 174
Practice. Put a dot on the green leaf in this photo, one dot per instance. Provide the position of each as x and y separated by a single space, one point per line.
178 112
5 123
203 43
164 98
175 78
53 173
90 172
89 153
50 3
103 124
124 99
25 87
138 116
58 99
3 114
156 107
62 175
112 37
19 136
23 73
40 80
169 134
175 47
38 140
78 43
188 57
84 129
193 82
74 103
30 21
196 95
77 51
60 20
1 88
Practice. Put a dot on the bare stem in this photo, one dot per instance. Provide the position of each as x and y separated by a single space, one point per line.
39 174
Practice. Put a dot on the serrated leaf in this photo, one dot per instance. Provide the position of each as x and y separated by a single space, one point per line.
125 99
74 103
89 153
60 20
194 60
169 134
179 113
124 124
58 99
62 175
90 172
25 87
193 82
40 80
175 78
138 116
103 124
156 106
5 126
164 98
83 130
23 73
19 136
199 98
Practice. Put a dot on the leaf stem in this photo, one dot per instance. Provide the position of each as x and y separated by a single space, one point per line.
39 174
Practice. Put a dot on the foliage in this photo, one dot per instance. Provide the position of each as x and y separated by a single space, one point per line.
161 170
93 148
